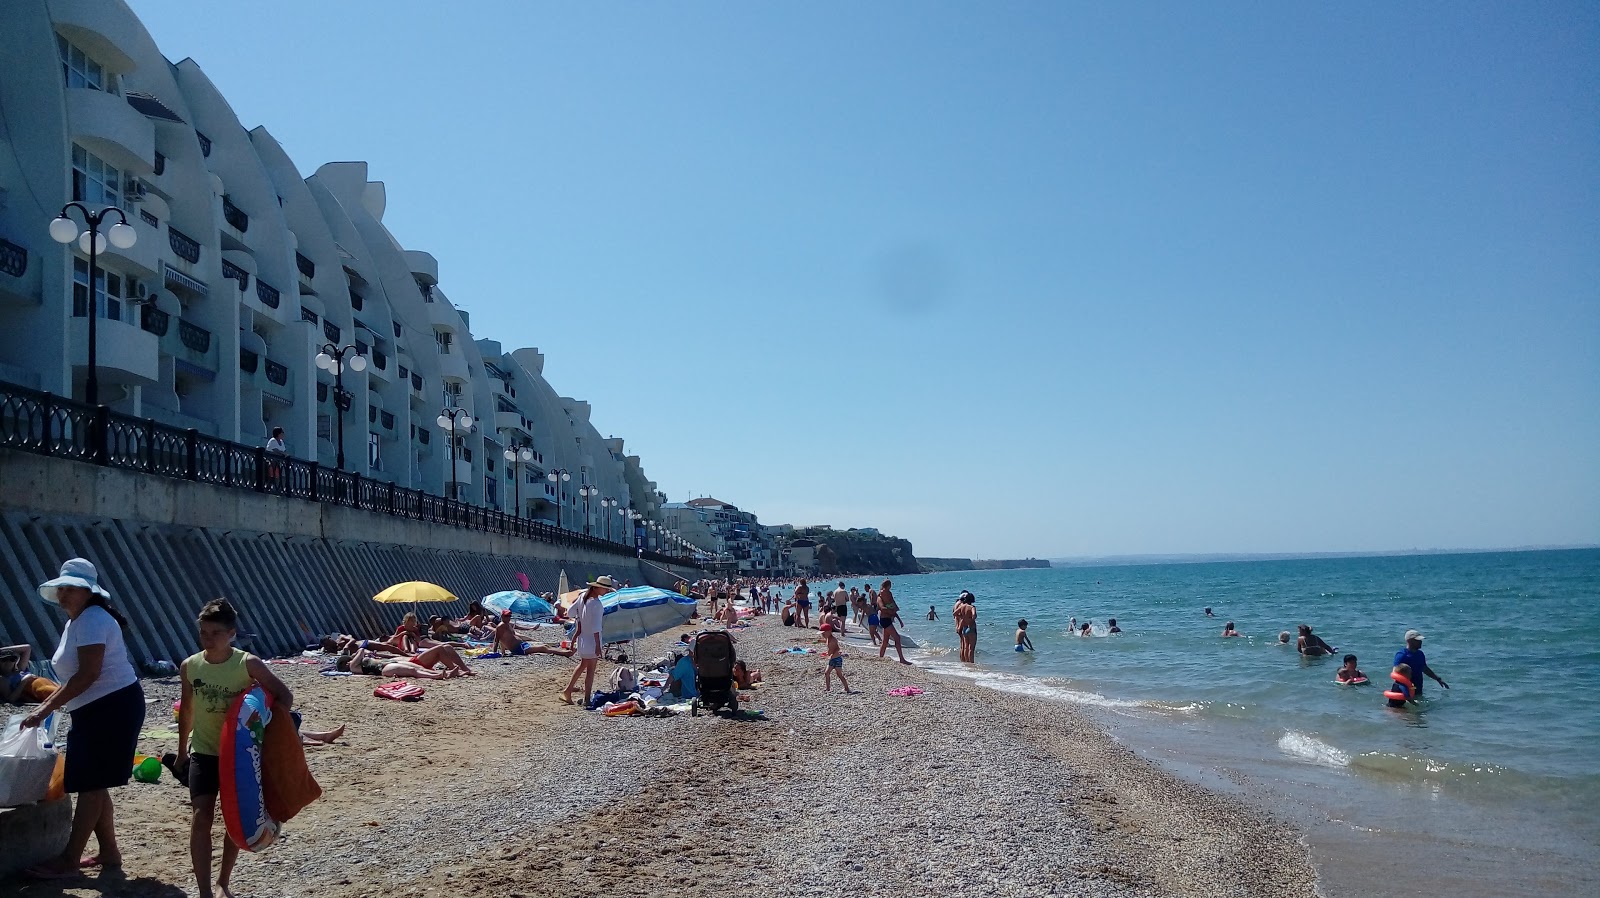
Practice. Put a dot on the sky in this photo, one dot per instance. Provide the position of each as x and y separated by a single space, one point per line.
1006 279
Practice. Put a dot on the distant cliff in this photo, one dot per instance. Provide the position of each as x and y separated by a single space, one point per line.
860 552
933 565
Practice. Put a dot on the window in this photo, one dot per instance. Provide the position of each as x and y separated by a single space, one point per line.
374 454
81 71
95 181
325 427
445 338
491 491
108 287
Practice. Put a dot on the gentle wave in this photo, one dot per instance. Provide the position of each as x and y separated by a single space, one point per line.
1308 747
1058 690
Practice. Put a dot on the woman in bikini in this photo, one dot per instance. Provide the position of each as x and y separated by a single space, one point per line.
888 613
421 666
965 615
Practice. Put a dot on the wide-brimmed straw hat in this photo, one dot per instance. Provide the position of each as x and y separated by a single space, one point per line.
76 572
603 580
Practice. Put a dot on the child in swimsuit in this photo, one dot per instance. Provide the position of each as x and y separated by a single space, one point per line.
1409 694
1348 673
1023 642
835 662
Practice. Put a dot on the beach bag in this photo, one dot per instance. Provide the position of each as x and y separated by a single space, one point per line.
27 760
286 782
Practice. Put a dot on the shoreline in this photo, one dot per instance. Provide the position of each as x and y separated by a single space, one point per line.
490 786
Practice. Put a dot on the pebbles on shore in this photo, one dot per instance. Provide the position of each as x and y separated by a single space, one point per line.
491 787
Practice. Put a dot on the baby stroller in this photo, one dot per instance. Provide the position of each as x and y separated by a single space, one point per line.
712 655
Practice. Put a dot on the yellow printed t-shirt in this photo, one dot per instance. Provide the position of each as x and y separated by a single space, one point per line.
215 687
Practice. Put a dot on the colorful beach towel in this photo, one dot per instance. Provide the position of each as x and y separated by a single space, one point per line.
905 690
400 691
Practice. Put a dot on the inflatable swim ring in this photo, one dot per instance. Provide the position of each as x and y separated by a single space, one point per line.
1357 681
1402 691
244 806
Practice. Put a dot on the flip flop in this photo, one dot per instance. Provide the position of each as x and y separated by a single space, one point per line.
93 860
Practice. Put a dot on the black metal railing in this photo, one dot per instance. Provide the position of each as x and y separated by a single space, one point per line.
185 246
405 374
379 360
387 420
230 270
234 215
306 266
147 218
161 165
423 437
397 329
194 336
356 301
44 424
331 331
277 373
153 320
308 315
205 144
13 259
248 361
267 293
416 381
322 392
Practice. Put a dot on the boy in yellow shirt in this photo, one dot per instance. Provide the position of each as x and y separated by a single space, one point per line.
212 679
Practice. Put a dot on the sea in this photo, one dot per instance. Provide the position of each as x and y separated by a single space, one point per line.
1489 788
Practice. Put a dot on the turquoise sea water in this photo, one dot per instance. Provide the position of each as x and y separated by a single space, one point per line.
1503 766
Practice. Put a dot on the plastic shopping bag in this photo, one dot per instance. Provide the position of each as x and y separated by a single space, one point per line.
27 759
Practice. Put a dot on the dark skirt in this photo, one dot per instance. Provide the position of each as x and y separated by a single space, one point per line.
103 740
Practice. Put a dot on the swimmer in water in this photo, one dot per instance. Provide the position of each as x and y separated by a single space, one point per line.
1023 642
932 614
1072 625
1228 630
1112 626
1209 614
1349 673
1283 638
1083 630
1405 692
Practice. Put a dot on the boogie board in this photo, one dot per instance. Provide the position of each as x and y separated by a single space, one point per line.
244 805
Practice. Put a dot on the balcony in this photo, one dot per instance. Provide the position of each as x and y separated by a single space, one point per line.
424 267
20 282
378 365
453 365
443 316
249 368
416 383
108 127
192 347
125 354
234 216
230 270
278 383
386 420
331 331
154 321
183 246
463 471
267 294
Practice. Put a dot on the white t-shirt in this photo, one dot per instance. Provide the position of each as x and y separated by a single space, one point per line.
590 614
276 445
95 626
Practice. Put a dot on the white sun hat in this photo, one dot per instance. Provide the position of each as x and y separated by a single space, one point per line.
76 572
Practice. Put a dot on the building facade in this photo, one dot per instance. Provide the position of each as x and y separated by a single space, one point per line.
243 272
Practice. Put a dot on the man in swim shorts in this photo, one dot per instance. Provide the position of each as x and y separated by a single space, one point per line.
802 604
1413 657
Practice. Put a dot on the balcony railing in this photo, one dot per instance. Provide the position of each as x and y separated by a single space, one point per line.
331 331
356 301
308 315
267 293
404 373
153 320
40 423
230 270
147 218
161 165
249 362
277 373
363 348
205 144
322 392
235 216
387 419
306 266
194 336
422 436
397 329
186 247
379 360
372 414
416 381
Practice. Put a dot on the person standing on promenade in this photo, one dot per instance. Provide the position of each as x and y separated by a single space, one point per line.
589 613
102 693
1412 655
276 451
888 614
802 604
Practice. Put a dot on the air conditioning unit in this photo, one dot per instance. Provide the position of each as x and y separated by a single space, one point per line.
135 190
141 292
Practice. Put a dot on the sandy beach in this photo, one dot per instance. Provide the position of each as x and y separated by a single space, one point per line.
490 786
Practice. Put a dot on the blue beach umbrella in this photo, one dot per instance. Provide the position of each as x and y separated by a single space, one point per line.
522 605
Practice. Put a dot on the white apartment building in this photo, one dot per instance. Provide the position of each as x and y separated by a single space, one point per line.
242 273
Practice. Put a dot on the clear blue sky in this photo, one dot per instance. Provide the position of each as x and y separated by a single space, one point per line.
1006 278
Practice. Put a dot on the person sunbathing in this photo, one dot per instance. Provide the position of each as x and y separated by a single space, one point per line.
510 642
744 677
422 665
17 685
344 644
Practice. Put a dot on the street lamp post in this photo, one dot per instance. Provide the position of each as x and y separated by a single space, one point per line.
587 492
558 477
333 360
120 235
513 455
453 418
606 504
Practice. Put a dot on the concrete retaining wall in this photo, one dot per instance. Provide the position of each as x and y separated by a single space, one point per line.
295 569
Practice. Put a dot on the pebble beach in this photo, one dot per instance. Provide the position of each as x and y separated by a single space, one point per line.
490 786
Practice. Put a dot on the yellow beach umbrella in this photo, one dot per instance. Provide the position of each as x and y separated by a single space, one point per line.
412 592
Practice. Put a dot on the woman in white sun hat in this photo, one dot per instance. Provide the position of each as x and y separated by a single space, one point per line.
101 691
